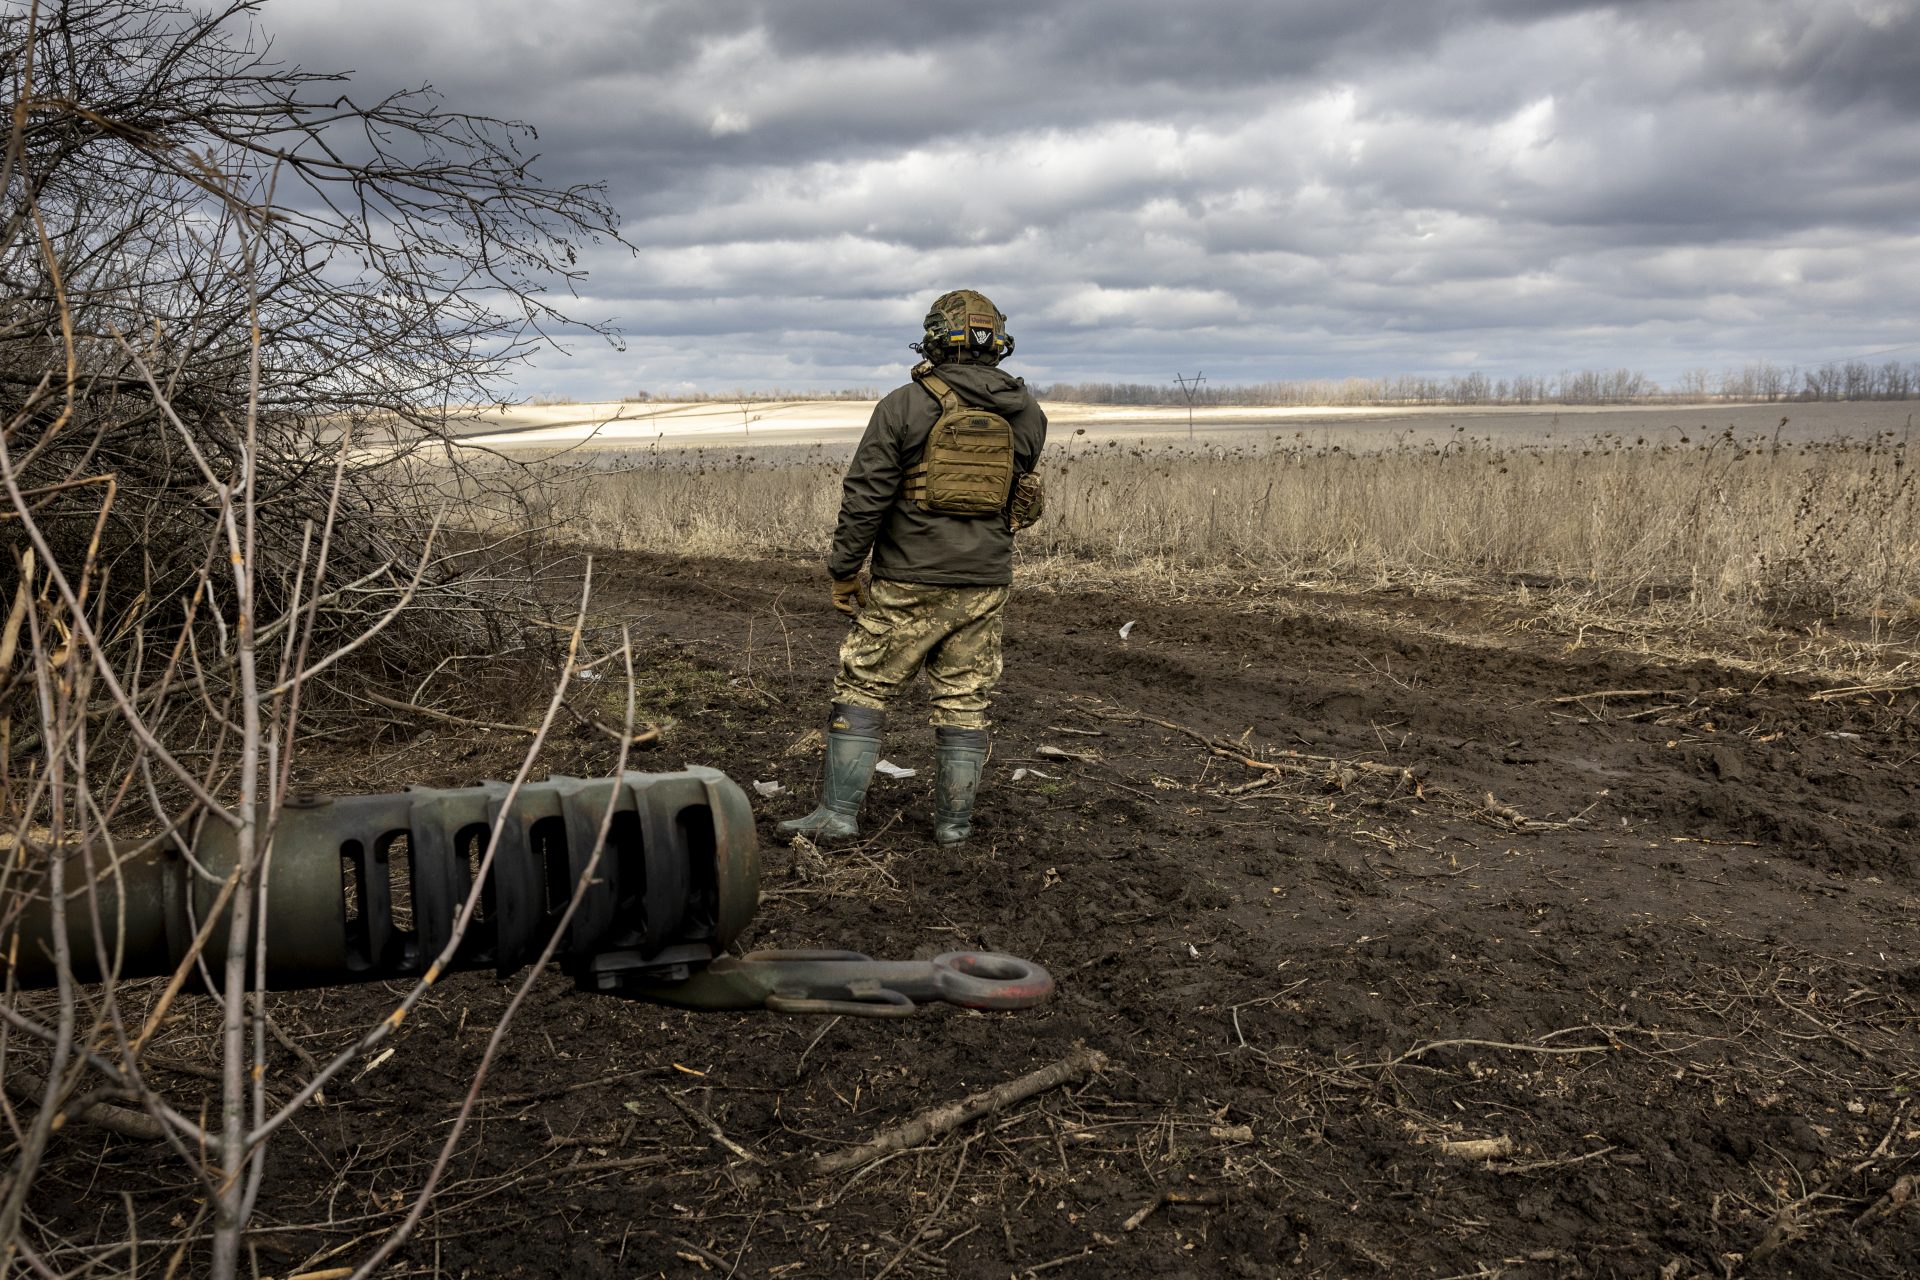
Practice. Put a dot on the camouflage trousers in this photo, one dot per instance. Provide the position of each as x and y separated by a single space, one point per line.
952 633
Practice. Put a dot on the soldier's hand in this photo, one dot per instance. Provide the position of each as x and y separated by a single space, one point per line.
849 595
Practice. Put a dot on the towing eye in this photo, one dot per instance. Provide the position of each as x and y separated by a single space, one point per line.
846 982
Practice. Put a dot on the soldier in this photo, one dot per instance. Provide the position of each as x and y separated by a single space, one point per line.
939 483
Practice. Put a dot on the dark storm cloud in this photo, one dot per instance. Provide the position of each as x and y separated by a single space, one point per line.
1267 188
1839 55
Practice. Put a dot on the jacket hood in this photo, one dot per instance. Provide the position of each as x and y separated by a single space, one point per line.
987 386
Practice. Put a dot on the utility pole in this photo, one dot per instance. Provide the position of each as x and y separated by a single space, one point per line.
1189 387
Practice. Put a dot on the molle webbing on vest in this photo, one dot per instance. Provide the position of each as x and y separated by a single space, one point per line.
966 468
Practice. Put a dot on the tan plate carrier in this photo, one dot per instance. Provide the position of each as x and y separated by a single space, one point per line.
967 467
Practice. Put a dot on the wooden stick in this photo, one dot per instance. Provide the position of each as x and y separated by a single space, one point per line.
1211 1195
1290 761
614 1164
1534 1166
1061 753
649 736
561 1090
712 1127
1860 690
1422 1050
646 738
948 1116
695 1253
1903 1192
415 708
128 1123
1604 693
1054 1264
1787 1225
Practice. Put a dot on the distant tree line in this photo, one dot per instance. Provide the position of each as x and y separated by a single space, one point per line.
747 397
1759 380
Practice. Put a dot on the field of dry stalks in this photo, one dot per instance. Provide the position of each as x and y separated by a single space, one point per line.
1727 529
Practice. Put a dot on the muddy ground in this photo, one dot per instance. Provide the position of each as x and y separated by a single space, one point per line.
1644 931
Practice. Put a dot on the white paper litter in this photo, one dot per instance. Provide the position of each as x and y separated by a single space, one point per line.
1030 773
893 770
1193 951
768 788
1128 630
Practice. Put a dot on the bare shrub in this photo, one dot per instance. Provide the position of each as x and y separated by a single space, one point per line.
235 302
197 232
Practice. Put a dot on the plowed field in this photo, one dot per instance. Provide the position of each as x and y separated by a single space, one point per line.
1418 945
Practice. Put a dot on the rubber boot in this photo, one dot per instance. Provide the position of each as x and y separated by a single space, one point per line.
853 748
963 758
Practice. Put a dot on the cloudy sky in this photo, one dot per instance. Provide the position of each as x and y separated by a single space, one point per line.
1256 188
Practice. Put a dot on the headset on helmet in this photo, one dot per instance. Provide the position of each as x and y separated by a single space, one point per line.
965 323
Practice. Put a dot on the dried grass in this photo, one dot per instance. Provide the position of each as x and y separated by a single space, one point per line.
1723 528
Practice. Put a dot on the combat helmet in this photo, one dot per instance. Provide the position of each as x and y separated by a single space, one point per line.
965 325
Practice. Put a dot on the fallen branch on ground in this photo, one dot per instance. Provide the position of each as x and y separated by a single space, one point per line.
650 735
713 1130
1601 693
1213 1195
947 1117
414 708
1793 1220
1507 814
137 1125
1422 1050
1903 1192
1860 691
1061 753
1290 761
645 738
1536 1166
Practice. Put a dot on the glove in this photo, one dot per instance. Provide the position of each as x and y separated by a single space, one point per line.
849 595
1028 501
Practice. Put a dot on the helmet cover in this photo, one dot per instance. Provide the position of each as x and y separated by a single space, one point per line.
965 323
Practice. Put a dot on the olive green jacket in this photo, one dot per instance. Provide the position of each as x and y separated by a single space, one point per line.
910 544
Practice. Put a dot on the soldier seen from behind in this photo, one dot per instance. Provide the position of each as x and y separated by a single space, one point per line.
940 482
